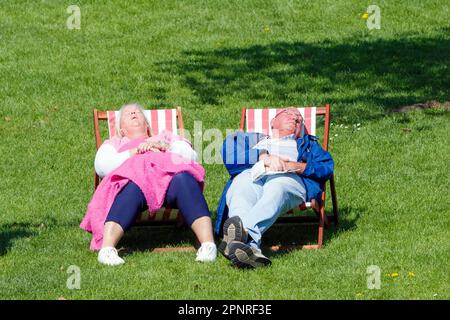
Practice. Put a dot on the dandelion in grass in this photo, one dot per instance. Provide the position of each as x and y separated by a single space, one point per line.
411 274
365 16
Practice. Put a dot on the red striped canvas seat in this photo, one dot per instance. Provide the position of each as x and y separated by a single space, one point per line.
258 120
159 119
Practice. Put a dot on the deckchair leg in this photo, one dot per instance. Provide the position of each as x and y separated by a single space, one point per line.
321 225
334 201
96 180
320 231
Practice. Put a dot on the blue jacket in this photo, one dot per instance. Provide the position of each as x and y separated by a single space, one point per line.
238 155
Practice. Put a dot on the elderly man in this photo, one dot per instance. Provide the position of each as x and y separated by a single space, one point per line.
254 202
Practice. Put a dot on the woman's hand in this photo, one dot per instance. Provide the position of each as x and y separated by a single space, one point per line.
151 146
133 151
147 146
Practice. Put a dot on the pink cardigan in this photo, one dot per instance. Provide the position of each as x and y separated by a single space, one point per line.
151 171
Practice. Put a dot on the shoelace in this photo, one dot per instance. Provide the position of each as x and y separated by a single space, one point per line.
200 251
203 248
112 253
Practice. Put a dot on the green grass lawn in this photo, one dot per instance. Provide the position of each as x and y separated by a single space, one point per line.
212 58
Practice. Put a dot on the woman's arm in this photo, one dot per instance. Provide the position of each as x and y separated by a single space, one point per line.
108 159
184 149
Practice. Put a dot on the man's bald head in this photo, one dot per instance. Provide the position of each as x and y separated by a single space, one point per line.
286 122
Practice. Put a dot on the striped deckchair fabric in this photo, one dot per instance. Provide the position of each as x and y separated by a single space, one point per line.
258 120
159 119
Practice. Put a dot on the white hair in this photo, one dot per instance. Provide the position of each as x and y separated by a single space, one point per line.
138 106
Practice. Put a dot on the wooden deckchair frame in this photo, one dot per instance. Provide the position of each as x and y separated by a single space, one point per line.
321 218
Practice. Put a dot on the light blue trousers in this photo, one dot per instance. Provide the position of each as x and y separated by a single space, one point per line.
260 203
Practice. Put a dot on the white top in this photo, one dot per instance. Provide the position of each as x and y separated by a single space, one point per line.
108 158
285 146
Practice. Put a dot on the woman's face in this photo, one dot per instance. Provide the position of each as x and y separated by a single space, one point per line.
132 120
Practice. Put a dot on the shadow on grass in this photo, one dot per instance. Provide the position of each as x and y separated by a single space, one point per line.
148 238
12 232
302 233
386 73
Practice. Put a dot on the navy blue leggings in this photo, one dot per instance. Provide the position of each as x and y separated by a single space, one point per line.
184 193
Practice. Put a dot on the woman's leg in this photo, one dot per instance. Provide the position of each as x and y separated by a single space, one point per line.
129 202
112 233
202 228
184 192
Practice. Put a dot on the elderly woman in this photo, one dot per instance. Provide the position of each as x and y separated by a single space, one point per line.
141 172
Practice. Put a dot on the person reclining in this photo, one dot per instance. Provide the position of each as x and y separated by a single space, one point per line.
145 172
253 201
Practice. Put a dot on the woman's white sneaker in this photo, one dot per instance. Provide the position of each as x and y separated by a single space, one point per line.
207 252
110 257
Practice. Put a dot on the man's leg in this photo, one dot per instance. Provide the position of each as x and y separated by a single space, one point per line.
243 194
241 197
281 193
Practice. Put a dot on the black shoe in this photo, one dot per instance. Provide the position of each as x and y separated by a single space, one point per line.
245 256
233 230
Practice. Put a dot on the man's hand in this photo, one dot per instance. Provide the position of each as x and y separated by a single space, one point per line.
298 167
274 163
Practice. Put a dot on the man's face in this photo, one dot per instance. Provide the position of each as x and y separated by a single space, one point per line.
287 122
